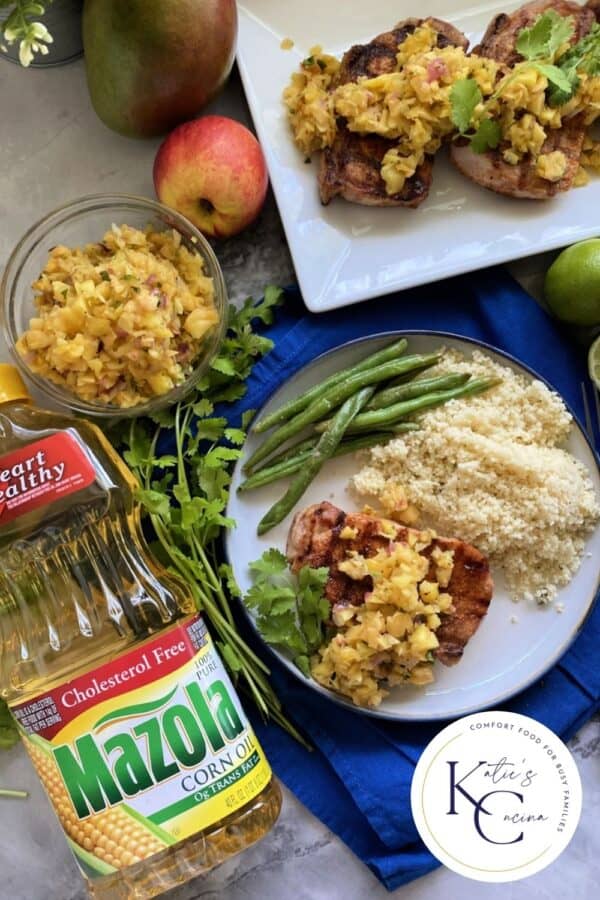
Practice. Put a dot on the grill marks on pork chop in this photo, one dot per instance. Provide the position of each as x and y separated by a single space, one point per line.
314 540
522 181
489 169
378 57
351 167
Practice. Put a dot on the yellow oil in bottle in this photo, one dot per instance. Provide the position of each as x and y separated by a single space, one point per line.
128 716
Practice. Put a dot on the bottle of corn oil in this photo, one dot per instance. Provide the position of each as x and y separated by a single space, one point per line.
124 705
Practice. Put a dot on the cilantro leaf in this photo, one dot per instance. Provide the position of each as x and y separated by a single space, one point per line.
210 429
166 461
203 407
290 610
545 37
487 136
556 76
223 364
214 458
231 393
465 96
272 562
235 436
155 502
139 445
165 418
584 56
263 310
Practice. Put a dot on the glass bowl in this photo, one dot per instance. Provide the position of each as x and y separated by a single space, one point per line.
85 221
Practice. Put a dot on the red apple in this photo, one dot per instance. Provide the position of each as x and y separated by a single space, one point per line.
212 170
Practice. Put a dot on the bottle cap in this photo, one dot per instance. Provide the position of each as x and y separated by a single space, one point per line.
12 386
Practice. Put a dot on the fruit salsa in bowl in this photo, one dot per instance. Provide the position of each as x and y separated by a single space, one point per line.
113 305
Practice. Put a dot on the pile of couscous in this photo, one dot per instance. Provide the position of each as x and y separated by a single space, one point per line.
120 321
492 470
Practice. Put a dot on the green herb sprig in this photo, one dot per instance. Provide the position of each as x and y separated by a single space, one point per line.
185 493
14 794
539 45
583 57
291 610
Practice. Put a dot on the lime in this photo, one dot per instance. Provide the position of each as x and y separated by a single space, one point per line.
572 286
594 362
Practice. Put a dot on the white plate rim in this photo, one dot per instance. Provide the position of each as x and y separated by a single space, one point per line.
502 696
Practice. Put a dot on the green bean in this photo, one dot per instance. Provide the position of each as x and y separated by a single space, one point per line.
300 447
379 418
402 379
274 473
417 388
294 463
292 407
287 453
330 401
326 447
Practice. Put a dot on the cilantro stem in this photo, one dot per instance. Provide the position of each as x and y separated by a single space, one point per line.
181 430
255 682
186 496
216 584
203 601
19 795
181 473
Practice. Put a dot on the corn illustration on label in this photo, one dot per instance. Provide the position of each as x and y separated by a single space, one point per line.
144 751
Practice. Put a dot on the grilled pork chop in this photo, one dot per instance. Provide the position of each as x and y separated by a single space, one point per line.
314 540
489 169
594 5
351 167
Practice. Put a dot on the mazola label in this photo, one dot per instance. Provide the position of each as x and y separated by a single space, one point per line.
153 746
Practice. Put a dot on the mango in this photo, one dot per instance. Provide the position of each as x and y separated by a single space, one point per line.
152 64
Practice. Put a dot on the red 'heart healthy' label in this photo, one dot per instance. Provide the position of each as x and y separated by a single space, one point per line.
41 473
145 750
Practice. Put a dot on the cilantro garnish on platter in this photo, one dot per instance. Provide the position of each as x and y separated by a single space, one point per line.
583 57
465 97
546 36
542 47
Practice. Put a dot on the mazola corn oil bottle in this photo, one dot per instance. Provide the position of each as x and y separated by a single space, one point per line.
124 705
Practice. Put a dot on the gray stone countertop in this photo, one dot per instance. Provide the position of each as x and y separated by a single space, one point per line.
53 149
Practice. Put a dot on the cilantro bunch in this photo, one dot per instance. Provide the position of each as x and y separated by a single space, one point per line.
184 493
291 610
540 46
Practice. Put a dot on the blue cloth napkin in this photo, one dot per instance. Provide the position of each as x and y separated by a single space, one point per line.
357 780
